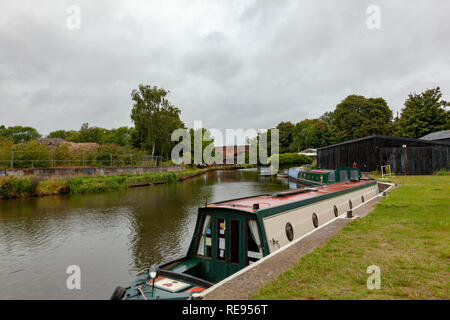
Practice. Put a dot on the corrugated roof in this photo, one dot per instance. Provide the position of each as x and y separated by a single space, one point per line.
444 134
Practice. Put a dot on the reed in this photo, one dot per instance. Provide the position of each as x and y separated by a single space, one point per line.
22 187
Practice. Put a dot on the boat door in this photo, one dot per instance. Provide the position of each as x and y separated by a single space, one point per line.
228 246
220 265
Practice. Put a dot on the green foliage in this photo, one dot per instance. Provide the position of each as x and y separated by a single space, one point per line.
285 135
314 133
292 159
155 119
357 117
37 155
204 139
13 187
31 154
120 136
71 135
424 113
19 134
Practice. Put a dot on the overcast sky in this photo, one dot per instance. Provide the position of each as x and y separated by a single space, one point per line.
230 64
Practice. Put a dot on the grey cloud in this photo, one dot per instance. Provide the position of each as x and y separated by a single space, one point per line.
231 64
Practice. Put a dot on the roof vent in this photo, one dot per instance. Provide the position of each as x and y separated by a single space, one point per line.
256 206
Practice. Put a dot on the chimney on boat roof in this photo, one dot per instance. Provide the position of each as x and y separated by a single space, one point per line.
256 206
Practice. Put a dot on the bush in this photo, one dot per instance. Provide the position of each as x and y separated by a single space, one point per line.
292 159
442 173
12 187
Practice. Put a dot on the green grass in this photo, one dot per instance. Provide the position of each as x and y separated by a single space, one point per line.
14 187
407 236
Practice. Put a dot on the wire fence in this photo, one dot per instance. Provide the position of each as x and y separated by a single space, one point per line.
49 159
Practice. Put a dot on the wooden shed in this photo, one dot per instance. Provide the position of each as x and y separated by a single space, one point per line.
404 155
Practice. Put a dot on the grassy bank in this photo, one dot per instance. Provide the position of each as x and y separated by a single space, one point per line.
14 187
407 236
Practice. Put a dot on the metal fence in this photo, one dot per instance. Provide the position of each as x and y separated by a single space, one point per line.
49 159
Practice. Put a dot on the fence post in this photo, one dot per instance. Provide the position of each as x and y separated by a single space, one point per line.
12 159
83 160
52 159
110 159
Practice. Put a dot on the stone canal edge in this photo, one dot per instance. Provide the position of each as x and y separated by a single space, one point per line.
243 284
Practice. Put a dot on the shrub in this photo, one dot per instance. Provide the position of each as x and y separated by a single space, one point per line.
292 159
12 187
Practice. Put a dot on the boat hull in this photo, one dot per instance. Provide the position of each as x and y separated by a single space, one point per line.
301 218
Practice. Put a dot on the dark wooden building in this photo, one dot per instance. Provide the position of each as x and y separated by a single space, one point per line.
404 155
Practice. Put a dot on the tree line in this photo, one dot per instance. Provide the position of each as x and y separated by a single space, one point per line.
155 118
357 116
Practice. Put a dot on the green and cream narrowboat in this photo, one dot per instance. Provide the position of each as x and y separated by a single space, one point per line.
233 234
319 177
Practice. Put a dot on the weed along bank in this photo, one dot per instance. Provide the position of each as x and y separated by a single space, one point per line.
233 234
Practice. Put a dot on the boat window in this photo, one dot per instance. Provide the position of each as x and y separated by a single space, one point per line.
204 245
315 220
336 212
354 174
221 236
343 175
289 231
254 248
234 241
331 176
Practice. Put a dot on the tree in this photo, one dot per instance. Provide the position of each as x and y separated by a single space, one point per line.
70 135
285 135
314 133
204 139
424 113
155 119
357 117
91 134
19 134
120 136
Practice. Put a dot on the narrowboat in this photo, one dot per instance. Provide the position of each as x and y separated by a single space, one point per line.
320 177
266 171
233 234
283 174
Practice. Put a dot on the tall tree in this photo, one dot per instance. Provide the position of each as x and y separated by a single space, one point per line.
154 118
285 135
424 113
357 117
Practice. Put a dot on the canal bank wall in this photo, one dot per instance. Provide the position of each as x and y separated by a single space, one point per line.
246 282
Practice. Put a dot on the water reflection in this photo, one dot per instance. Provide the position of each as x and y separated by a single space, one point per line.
111 236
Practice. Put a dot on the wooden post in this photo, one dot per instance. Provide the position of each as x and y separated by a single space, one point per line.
350 213
405 162
12 159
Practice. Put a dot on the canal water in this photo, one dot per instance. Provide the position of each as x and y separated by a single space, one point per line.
112 236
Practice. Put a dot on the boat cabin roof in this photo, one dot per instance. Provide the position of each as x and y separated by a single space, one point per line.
266 201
